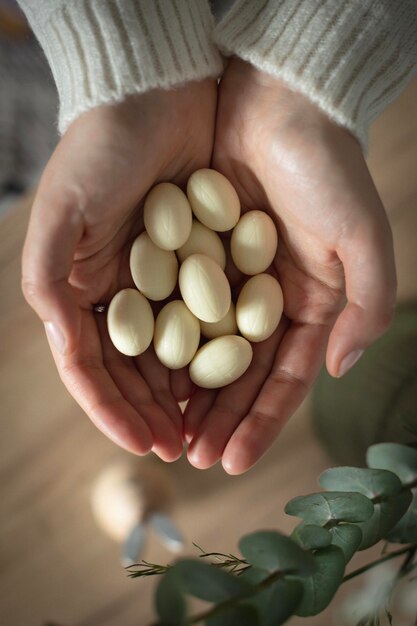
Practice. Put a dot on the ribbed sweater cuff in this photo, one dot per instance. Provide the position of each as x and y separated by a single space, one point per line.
350 57
101 51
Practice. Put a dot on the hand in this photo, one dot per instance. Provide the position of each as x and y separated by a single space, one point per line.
86 214
285 156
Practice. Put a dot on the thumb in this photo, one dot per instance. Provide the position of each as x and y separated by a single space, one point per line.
55 228
368 261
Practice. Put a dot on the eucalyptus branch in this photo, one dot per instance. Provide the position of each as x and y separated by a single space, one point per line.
308 541
410 549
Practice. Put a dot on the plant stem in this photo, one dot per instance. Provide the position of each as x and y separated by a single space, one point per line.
411 549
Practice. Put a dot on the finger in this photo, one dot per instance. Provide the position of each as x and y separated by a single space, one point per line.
369 267
86 378
157 378
167 440
197 408
295 367
55 228
232 403
181 384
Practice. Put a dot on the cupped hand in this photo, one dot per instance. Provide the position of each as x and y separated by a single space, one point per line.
86 214
334 261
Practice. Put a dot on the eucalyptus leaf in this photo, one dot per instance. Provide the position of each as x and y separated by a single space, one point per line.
405 531
207 582
369 482
255 575
395 457
320 588
277 602
347 537
338 506
386 515
169 600
311 536
273 551
238 615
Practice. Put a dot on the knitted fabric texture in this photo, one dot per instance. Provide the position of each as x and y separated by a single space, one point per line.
350 57
101 51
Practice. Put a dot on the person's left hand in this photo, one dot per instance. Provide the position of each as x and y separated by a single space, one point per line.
285 156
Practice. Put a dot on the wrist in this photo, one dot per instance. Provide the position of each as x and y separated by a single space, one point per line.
254 87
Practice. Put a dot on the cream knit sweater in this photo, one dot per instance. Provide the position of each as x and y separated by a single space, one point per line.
350 57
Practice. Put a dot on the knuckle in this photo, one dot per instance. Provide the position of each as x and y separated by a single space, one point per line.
32 290
285 377
384 319
264 419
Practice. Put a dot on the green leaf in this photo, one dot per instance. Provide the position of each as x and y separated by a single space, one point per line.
386 515
405 531
369 482
320 588
395 457
277 602
347 537
321 508
311 536
207 582
241 614
169 600
255 575
273 551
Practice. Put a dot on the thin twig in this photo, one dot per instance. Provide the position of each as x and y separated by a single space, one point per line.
387 557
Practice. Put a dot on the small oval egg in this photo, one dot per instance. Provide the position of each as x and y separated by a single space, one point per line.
213 199
221 361
154 271
204 288
259 307
130 322
226 326
177 335
254 241
167 215
203 240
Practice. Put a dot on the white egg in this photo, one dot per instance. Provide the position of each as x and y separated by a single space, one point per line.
259 307
254 241
130 322
154 271
177 335
204 288
126 491
221 361
213 199
226 326
167 216
203 240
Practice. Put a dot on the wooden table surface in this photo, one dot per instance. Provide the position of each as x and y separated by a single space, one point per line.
55 564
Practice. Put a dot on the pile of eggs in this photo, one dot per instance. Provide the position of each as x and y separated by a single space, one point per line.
180 246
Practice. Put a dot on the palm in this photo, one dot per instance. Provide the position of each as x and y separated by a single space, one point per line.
106 163
293 168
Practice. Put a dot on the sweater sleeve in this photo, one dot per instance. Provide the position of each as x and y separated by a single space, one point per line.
350 57
101 51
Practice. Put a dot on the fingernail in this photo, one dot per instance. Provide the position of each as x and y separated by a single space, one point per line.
56 336
349 361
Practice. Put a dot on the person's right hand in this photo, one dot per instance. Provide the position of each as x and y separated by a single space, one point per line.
86 214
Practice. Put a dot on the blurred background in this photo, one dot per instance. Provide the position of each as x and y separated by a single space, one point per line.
28 106
57 565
